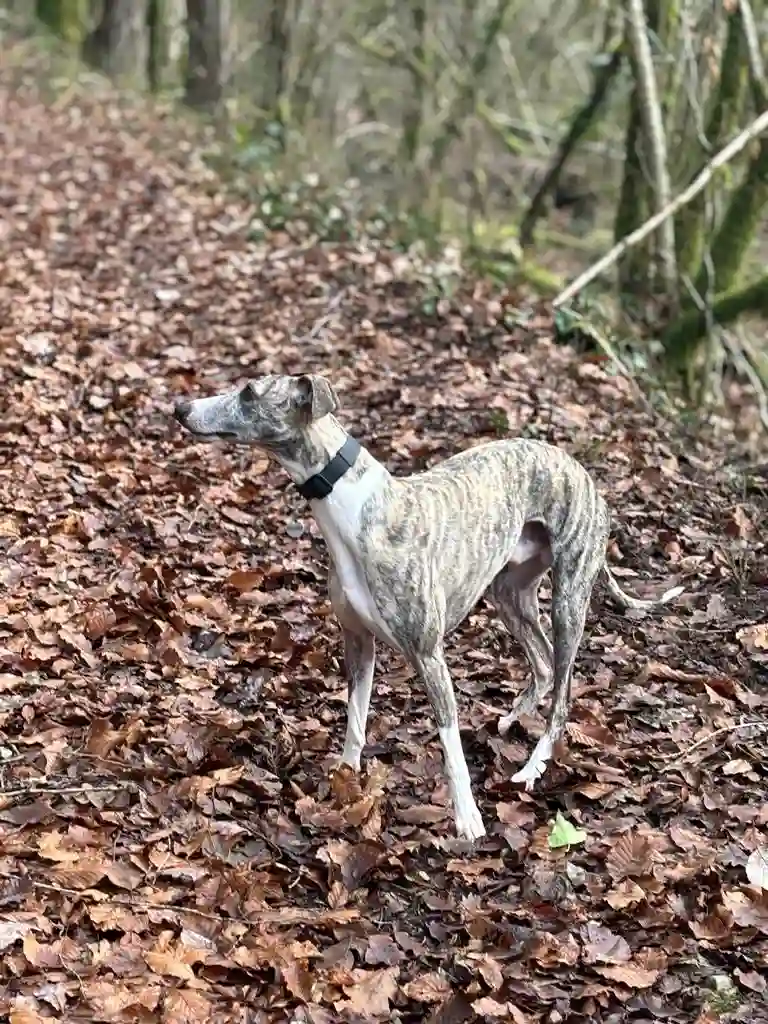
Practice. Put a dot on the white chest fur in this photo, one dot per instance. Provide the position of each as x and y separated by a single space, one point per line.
339 517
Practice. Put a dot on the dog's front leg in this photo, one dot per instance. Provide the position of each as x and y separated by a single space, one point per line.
434 672
359 659
359 663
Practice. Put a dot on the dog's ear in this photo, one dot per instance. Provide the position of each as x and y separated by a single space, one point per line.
316 397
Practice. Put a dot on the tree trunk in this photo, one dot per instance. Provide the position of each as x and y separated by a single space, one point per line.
67 18
737 231
638 29
636 200
582 121
723 121
165 21
274 64
118 43
207 24
413 117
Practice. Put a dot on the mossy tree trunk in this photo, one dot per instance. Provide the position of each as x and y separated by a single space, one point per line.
165 19
724 118
683 338
207 24
413 119
67 18
738 228
275 63
118 44
636 197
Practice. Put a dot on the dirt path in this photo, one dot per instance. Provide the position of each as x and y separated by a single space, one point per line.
170 687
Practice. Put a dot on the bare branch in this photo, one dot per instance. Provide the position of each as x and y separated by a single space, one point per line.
578 127
726 154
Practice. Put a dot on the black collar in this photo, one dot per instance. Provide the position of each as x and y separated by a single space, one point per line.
321 484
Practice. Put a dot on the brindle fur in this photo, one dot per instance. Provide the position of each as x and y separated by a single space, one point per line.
411 556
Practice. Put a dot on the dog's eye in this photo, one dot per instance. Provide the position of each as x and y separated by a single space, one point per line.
248 395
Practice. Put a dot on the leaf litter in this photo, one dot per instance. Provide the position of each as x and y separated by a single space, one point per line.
176 843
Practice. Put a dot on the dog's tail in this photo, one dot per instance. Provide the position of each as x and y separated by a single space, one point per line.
627 601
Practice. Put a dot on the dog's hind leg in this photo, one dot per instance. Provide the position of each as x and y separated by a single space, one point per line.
518 609
573 577
514 595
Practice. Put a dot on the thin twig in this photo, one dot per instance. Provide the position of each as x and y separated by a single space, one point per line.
727 153
760 726
333 304
739 355
65 790
287 916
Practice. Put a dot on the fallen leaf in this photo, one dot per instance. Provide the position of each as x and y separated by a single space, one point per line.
754 638
369 993
563 833
749 911
186 1006
13 931
601 945
433 987
757 868
632 855
383 950
631 975
487 1006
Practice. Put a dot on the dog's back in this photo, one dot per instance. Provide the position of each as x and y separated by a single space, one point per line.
524 480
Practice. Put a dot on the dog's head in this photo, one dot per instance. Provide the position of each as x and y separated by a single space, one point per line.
270 412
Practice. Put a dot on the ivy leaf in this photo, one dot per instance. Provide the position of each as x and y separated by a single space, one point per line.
563 833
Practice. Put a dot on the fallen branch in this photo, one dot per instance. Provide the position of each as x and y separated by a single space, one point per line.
285 916
761 726
64 790
726 154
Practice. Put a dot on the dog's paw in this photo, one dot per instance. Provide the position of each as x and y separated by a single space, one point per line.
350 759
536 764
469 824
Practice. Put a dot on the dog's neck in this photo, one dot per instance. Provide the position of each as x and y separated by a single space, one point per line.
314 448
339 514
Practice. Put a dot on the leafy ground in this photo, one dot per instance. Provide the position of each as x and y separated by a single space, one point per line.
173 844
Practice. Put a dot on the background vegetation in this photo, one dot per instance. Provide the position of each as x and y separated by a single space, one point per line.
528 139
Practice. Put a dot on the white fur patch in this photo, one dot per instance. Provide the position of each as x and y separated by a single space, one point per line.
339 518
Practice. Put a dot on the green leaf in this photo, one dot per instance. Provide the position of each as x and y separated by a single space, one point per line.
563 833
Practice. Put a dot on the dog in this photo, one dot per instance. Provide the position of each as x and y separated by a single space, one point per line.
411 556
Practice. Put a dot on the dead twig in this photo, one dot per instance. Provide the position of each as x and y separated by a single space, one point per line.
678 757
65 790
700 182
322 322
287 916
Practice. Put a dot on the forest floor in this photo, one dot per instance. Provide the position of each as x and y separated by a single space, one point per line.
173 844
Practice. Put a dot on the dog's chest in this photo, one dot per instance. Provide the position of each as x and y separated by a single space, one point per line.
340 520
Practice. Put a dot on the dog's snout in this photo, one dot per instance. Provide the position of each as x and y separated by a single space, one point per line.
181 410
